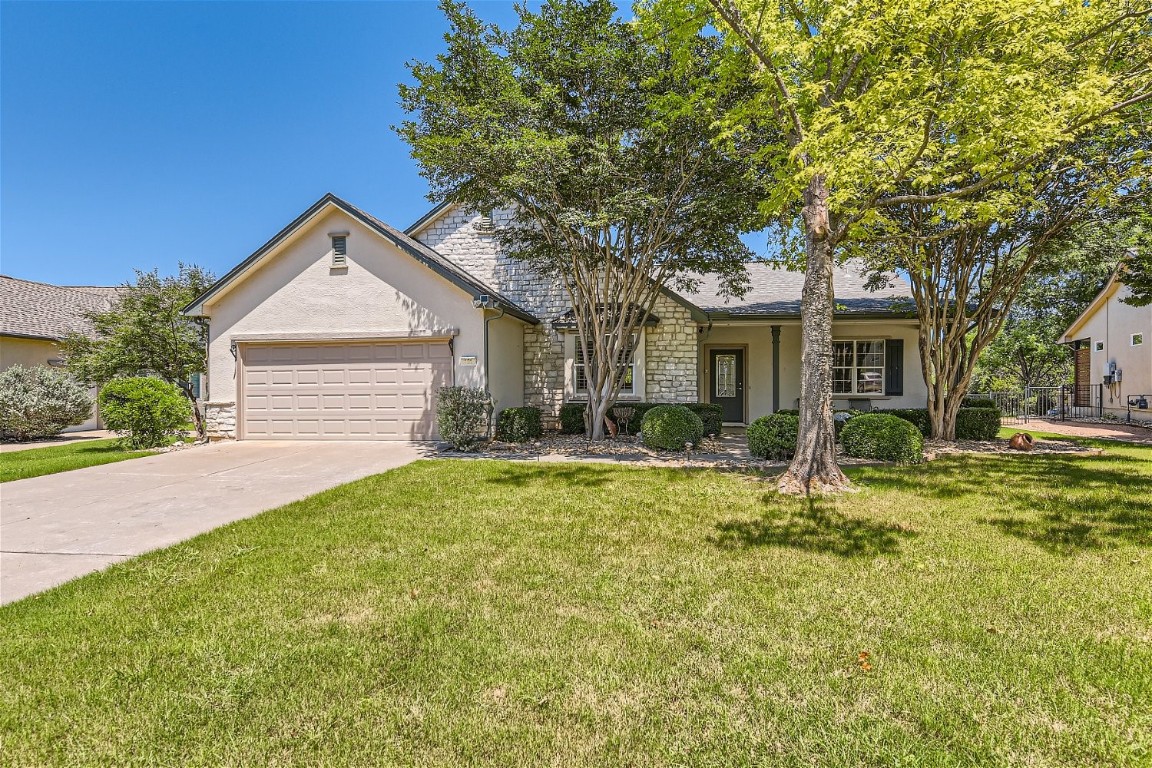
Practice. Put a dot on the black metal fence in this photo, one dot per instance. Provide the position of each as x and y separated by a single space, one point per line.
1063 403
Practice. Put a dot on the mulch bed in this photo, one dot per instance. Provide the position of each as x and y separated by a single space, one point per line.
726 452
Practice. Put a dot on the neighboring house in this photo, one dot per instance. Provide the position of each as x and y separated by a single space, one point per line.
1112 347
342 327
34 317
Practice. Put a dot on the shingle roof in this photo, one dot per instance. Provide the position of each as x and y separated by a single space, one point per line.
776 292
43 311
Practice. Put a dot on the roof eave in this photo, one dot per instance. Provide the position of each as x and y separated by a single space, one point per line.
196 307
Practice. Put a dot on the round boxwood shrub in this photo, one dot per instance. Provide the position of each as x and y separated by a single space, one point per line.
39 401
773 436
519 425
671 428
144 410
883 437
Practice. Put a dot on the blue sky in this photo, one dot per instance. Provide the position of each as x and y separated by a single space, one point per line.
145 134
139 135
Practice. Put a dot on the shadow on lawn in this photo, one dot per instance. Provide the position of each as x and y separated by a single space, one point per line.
813 527
1060 503
577 476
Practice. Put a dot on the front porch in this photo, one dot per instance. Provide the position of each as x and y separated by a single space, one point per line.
752 367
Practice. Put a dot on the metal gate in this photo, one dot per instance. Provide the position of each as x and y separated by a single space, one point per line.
1064 403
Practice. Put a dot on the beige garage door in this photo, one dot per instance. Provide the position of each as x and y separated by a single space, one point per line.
343 391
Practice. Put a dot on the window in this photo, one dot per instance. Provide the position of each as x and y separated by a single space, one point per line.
1137 339
1099 346
858 367
627 363
339 249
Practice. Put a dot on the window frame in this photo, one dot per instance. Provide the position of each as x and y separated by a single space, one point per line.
1132 339
573 362
855 368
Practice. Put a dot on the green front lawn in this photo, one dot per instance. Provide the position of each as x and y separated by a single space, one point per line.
975 611
33 462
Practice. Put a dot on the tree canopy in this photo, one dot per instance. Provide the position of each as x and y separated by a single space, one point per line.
879 107
145 333
615 180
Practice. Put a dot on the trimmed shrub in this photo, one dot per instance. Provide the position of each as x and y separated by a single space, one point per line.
917 416
979 402
671 428
884 437
711 414
572 418
977 423
462 416
519 425
39 401
774 436
144 410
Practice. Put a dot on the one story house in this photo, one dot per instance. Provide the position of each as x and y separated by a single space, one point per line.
343 327
1112 347
34 317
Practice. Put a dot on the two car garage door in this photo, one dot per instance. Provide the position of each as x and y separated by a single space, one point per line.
342 391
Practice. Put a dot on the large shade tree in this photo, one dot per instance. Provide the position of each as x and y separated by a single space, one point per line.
967 273
616 182
145 333
883 104
1027 351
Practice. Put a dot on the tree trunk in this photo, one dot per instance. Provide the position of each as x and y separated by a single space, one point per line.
814 468
197 417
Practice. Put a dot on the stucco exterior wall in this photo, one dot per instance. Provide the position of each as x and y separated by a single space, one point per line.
1113 324
506 348
27 352
758 362
295 291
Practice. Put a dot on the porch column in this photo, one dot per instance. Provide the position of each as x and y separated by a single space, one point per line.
775 368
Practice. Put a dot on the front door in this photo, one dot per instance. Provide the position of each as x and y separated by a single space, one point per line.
726 382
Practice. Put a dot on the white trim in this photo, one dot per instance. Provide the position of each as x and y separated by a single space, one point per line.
854 395
398 335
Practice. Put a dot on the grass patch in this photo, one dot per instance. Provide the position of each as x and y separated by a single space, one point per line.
980 610
33 462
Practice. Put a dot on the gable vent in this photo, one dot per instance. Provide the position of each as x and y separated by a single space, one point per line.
484 223
339 250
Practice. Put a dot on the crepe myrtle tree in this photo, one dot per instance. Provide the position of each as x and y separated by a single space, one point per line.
877 105
616 181
966 274
145 333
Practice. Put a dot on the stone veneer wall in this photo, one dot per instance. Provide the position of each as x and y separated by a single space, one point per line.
670 347
220 420
670 351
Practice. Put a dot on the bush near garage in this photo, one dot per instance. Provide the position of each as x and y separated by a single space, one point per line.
519 425
671 428
39 401
462 416
774 436
144 410
883 437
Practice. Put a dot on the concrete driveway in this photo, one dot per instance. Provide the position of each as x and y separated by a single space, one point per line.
57 527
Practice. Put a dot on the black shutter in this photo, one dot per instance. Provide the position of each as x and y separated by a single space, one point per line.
894 367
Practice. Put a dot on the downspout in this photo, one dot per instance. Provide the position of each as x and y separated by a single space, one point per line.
491 404
775 368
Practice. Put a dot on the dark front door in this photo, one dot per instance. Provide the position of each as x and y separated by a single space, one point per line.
726 382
